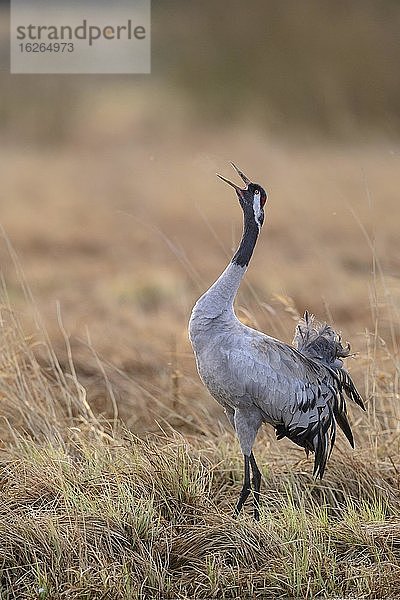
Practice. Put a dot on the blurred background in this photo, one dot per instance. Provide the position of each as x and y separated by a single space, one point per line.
110 201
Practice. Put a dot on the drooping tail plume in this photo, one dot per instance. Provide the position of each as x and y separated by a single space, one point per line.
320 342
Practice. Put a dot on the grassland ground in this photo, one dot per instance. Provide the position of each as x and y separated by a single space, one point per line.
118 473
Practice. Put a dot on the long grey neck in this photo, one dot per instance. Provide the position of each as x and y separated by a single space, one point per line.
218 300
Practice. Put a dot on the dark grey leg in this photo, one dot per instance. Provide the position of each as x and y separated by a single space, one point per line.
256 485
244 494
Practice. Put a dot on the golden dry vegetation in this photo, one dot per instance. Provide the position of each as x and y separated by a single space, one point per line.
117 239
125 234
118 473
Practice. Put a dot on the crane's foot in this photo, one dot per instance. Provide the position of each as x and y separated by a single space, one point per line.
244 494
246 489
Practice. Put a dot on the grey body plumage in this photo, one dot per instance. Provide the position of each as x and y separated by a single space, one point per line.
299 390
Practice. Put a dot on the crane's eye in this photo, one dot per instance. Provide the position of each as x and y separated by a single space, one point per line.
257 192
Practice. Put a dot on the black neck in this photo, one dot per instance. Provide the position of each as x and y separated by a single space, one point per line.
250 234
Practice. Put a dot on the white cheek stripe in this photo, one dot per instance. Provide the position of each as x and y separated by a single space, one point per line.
257 208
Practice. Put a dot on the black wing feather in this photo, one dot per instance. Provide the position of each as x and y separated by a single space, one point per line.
322 346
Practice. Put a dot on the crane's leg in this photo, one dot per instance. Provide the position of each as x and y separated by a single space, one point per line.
244 494
256 486
247 422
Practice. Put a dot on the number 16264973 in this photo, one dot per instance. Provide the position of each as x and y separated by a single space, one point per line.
57 47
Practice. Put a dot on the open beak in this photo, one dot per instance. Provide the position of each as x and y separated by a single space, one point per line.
236 187
241 174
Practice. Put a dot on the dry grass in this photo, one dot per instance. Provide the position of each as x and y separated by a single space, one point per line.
126 235
91 511
119 474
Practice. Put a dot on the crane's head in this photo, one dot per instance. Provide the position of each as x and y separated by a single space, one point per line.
252 198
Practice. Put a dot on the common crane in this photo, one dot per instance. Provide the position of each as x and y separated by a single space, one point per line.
300 390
